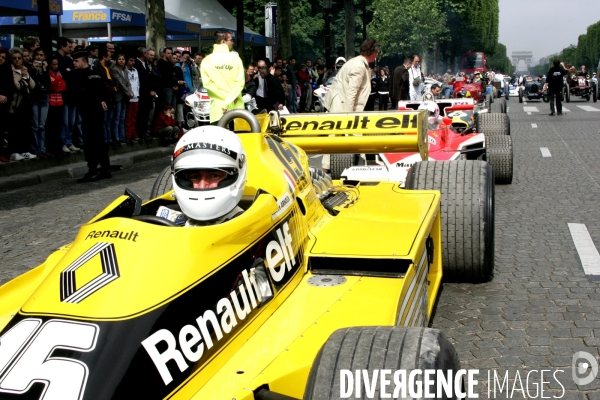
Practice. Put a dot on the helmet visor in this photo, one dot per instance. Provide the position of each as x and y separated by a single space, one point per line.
205 178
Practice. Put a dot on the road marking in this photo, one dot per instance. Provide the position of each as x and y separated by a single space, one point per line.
317 156
507 109
588 108
545 152
525 102
530 109
529 113
590 259
566 109
534 125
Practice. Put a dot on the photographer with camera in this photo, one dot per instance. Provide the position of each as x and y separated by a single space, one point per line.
415 78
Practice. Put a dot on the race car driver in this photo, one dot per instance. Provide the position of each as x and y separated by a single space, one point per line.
209 176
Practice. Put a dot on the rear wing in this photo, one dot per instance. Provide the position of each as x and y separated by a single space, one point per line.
364 132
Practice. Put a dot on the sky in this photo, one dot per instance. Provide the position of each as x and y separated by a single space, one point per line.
544 27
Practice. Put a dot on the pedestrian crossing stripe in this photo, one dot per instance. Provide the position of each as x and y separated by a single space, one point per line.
530 109
588 254
588 108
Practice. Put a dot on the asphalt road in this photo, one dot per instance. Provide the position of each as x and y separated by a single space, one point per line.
539 310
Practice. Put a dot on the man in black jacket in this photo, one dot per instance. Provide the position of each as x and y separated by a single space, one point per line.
166 79
554 84
91 99
275 98
147 91
399 83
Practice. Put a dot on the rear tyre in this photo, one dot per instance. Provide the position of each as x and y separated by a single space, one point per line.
496 108
568 95
504 106
467 215
507 93
377 348
499 154
520 96
587 98
163 183
493 124
595 93
339 162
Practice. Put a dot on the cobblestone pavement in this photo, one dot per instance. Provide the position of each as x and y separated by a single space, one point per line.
537 312
540 308
34 221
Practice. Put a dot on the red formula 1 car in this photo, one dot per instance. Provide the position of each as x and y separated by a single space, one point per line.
459 134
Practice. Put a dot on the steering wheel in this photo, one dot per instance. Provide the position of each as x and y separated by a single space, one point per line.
153 219
243 114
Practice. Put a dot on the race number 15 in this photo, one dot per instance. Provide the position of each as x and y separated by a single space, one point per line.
25 357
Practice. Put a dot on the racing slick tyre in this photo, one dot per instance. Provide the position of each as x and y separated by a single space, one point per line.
163 183
339 162
507 93
374 348
520 96
587 98
493 124
496 108
504 105
467 215
499 154
568 95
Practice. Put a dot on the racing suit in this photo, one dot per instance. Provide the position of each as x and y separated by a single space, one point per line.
223 78
554 79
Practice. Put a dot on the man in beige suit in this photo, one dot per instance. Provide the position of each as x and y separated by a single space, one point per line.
352 85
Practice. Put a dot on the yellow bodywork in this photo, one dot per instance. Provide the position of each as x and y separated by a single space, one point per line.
278 343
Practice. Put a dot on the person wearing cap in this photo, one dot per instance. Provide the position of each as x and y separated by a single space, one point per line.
92 101
223 77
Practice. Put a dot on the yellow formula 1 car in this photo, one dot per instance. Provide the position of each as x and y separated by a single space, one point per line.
313 278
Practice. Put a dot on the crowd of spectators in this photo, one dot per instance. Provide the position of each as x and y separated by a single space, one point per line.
38 97
37 93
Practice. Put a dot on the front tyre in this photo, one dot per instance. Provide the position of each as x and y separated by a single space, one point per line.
467 215
163 184
493 124
377 348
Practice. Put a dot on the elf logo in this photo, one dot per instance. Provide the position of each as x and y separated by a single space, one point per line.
116 16
280 254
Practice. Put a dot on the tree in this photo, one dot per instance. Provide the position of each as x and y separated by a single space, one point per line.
284 29
407 27
156 33
499 61
350 28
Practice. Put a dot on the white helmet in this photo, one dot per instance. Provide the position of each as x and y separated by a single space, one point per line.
339 62
219 151
433 109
